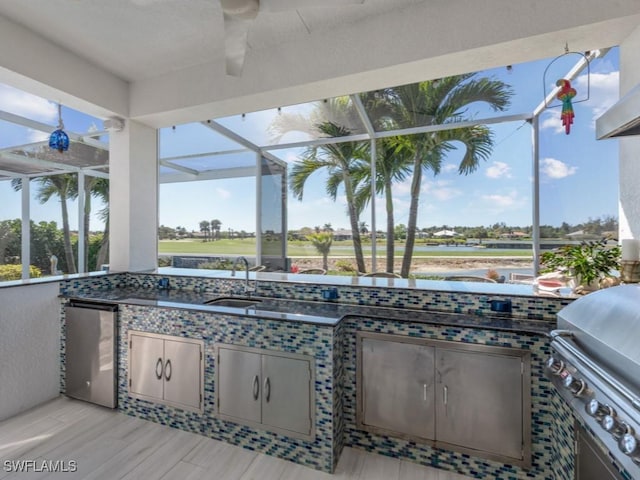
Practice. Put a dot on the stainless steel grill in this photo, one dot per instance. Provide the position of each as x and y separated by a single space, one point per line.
596 368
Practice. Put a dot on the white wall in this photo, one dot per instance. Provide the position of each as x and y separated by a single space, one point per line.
630 146
133 198
29 346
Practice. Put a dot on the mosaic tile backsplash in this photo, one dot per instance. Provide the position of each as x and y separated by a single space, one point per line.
526 307
334 351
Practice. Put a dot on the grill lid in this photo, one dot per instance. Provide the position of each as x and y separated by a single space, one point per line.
606 325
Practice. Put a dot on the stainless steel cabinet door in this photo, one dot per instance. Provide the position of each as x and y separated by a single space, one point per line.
479 401
239 384
90 355
398 387
182 373
146 366
286 393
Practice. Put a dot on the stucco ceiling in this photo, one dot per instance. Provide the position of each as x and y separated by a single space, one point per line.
161 62
140 39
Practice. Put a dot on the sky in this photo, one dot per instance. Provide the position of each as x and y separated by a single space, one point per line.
579 175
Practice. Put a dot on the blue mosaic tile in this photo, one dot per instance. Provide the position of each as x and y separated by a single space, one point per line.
311 340
542 417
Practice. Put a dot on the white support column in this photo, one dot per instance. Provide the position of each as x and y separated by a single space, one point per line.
374 253
82 248
133 198
259 209
535 229
25 254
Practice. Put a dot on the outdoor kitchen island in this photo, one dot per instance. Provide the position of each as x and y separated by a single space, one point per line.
322 337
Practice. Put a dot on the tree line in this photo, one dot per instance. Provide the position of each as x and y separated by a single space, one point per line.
45 236
47 239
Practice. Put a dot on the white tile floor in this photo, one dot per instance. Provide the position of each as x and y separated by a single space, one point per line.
109 445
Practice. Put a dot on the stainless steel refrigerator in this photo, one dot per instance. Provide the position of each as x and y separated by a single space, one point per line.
90 354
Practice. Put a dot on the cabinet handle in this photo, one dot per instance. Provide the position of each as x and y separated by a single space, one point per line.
267 388
256 387
167 370
445 394
159 365
424 392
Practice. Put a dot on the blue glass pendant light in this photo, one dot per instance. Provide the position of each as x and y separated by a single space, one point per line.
59 140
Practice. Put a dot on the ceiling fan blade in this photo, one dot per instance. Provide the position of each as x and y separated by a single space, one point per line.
235 43
281 5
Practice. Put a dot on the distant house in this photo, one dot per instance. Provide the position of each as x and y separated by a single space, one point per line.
514 235
342 234
446 233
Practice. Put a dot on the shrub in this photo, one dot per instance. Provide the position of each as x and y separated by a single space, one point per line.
217 265
588 261
345 266
164 261
14 272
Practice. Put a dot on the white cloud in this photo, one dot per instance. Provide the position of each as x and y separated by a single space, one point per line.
501 201
440 189
449 167
551 120
556 169
402 188
38 136
223 193
498 170
497 203
603 91
27 105
446 193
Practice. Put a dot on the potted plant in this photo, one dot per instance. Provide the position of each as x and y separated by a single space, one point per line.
588 263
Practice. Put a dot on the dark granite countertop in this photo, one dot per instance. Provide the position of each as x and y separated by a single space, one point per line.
327 313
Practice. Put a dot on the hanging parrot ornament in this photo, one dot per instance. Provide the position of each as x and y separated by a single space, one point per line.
565 95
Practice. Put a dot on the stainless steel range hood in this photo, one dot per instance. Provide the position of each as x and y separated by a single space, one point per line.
622 119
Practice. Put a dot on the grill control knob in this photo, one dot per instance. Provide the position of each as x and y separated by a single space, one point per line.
629 446
575 385
555 366
598 410
614 427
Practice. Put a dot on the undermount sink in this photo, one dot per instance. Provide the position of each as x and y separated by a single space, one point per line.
233 302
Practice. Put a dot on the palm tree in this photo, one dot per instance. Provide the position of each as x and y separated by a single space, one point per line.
64 186
437 102
341 160
337 110
215 229
89 185
393 164
205 228
100 190
322 242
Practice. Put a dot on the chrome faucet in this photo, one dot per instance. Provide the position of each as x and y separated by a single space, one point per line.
246 272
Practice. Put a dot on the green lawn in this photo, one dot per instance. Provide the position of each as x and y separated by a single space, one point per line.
304 249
